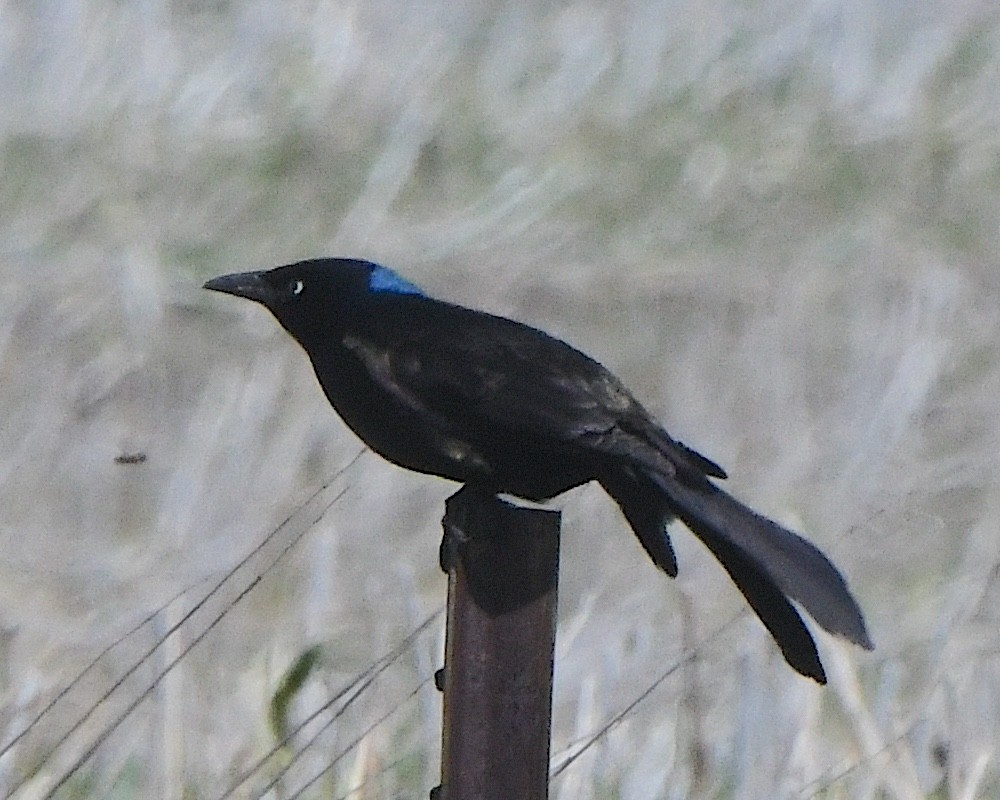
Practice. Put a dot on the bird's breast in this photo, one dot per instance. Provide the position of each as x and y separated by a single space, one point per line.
361 386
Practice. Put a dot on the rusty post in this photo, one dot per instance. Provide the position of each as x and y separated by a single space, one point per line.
502 564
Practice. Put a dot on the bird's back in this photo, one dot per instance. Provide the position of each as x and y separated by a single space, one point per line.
454 391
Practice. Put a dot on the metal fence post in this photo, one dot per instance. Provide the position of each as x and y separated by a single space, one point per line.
502 564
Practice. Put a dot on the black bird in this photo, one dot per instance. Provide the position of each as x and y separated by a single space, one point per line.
505 408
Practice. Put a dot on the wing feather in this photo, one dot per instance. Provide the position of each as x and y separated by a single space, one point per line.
478 367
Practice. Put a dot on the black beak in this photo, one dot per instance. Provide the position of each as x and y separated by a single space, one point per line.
250 285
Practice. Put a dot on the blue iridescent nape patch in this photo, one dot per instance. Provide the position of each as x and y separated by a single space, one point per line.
384 279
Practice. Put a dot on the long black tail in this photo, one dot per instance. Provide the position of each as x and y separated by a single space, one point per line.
768 563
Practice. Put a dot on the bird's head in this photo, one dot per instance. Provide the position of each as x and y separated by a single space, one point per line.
306 297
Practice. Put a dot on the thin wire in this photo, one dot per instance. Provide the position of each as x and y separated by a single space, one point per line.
87 669
360 738
198 606
356 687
618 718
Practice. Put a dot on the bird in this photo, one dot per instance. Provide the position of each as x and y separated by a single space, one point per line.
505 408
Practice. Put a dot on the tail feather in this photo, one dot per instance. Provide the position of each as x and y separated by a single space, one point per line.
773 608
795 566
768 563
648 520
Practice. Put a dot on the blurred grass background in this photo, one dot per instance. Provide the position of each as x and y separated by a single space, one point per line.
777 221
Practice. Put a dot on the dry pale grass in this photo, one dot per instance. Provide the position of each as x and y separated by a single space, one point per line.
776 221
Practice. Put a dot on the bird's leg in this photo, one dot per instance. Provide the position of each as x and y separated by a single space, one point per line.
458 522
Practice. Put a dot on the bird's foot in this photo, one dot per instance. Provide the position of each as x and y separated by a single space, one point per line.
459 522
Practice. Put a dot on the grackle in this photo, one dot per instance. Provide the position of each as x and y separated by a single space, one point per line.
505 408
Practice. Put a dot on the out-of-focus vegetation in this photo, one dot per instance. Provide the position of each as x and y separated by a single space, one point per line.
777 222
